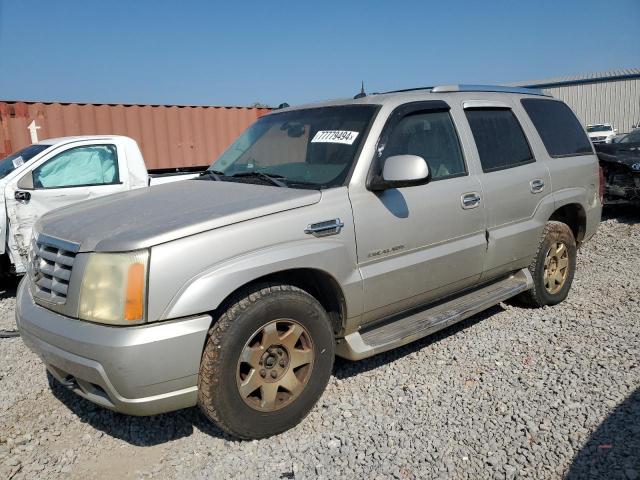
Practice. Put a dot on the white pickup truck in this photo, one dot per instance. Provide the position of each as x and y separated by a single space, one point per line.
62 171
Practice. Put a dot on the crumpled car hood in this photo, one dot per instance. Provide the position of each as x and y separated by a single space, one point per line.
149 216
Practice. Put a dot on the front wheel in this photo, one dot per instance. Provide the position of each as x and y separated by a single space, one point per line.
267 361
553 266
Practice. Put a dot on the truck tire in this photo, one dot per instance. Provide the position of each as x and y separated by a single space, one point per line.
552 267
266 362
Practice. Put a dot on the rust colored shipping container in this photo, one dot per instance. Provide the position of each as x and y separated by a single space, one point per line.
169 136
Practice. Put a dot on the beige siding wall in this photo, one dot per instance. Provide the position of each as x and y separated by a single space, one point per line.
616 102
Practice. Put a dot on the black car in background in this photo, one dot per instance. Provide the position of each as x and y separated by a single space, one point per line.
620 163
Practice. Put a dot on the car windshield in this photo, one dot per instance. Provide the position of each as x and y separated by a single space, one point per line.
633 137
13 161
599 128
310 148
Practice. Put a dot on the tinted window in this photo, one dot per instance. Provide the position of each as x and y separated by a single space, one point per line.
499 138
632 137
432 136
558 127
90 165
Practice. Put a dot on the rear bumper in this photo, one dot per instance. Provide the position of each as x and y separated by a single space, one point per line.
141 370
594 217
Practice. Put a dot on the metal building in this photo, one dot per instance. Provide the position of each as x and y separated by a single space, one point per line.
170 136
605 97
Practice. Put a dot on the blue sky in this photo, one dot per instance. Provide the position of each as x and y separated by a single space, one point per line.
237 53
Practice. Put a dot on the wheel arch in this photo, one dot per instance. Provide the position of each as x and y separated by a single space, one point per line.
573 215
317 283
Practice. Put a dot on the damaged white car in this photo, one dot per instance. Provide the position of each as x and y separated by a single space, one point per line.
58 172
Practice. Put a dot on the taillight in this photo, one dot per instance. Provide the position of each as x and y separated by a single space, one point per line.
601 186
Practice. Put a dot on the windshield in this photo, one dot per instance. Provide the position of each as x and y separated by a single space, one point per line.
314 148
13 161
599 128
632 137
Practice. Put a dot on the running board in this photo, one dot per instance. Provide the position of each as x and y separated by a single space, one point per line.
411 326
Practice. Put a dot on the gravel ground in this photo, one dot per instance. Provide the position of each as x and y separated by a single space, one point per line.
510 393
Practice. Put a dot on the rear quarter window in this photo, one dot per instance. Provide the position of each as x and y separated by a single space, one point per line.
558 127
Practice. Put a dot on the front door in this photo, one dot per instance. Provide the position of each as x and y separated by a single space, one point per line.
418 243
71 176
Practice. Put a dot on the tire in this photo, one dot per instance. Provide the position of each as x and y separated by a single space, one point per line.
541 294
247 329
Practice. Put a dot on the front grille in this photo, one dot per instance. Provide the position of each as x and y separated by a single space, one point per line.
50 265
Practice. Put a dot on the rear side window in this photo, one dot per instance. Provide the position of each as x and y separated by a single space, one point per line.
558 127
499 138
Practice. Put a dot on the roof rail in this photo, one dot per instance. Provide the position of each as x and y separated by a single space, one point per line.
488 88
409 90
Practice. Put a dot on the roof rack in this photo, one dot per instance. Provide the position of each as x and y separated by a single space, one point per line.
488 88
409 89
475 88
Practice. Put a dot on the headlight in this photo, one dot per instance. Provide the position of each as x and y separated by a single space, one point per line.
114 288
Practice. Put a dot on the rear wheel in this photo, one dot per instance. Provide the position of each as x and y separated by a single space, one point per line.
553 266
267 361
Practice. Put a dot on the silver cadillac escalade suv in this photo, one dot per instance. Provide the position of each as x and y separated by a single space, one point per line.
345 228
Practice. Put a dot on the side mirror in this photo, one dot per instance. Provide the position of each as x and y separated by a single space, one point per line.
26 182
401 171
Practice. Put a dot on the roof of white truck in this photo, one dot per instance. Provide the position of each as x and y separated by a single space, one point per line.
78 138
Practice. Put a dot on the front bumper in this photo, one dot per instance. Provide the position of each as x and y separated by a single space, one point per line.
142 370
623 188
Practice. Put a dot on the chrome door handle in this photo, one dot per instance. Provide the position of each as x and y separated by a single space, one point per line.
537 185
470 200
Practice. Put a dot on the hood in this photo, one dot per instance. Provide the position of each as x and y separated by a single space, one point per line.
626 152
607 133
149 216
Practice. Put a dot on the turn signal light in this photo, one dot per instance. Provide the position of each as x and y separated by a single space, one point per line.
134 303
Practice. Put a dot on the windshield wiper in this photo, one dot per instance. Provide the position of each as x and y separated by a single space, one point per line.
213 174
270 177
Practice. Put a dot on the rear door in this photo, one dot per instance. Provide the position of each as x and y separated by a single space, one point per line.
419 243
76 172
514 184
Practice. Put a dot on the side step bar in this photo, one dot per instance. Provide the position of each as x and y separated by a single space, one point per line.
411 326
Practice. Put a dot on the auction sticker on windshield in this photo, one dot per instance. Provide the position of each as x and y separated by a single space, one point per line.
335 136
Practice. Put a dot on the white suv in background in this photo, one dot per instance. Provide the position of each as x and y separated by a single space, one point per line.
601 132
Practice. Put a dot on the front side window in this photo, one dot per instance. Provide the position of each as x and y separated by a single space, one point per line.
430 135
311 148
499 138
80 166
559 128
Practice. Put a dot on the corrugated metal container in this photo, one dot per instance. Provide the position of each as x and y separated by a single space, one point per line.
169 136
604 97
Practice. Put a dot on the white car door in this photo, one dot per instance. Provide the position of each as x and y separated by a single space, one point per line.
73 173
